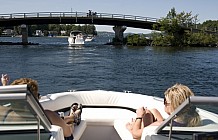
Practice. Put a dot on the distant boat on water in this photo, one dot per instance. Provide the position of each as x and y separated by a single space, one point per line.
89 38
75 38
39 33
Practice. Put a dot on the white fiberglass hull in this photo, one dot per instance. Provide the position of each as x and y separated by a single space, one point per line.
105 114
89 39
75 41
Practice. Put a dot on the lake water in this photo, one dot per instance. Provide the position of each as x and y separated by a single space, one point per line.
145 70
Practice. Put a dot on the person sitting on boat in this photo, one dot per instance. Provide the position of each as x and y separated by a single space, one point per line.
55 119
174 97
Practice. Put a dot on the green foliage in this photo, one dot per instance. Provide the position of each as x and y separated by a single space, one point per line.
173 31
86 29
202 39
161 40
211 25
137 40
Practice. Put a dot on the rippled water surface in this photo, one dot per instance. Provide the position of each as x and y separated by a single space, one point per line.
145 70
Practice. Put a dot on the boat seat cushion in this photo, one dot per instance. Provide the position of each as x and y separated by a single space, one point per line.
79 129
106 114
98 97
120 127
57 133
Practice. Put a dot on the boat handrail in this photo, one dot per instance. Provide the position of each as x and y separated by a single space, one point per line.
14 89
99 106
193 100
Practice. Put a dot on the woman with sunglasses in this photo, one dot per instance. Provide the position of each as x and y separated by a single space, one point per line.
174 97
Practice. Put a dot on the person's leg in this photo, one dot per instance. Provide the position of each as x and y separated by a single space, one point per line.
75 111
157 116
57 120
78 112
148 118
69 119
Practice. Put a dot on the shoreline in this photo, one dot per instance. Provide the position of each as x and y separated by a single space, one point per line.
18 43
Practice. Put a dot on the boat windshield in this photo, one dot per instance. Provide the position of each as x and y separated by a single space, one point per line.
192 101
20 110
74 33
16 112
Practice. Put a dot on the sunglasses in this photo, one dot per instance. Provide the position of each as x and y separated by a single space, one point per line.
165 102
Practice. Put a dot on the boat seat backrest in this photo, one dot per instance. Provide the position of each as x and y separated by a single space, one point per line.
59 101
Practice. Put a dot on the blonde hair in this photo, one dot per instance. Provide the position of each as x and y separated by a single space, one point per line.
31 83
177 94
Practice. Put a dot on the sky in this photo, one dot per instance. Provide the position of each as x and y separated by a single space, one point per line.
205 9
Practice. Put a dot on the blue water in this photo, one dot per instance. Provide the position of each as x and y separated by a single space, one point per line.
145 70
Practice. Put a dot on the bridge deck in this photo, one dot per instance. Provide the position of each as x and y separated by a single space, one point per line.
15 19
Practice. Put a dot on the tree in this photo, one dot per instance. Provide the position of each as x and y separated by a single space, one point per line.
211 25
172 28
86 29
137 40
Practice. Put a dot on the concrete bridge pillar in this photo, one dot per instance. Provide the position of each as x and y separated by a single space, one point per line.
24 32
119 33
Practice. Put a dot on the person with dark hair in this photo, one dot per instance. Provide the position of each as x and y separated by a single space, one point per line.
67 123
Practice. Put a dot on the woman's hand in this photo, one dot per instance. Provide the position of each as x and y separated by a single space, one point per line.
129 125
141 111
5 79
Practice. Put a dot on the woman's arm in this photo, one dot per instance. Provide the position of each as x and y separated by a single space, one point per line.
145 118
138 125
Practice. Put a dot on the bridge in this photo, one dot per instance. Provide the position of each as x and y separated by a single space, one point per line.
119 21
15 19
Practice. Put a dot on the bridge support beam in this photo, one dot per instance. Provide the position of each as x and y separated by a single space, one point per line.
24 32
119 33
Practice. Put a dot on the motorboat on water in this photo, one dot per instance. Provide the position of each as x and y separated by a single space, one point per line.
76 38
89 38
104 115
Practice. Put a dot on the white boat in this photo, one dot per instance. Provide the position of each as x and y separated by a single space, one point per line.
104 116
89 38
76 38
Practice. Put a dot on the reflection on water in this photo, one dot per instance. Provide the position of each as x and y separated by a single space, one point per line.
75 47
74 55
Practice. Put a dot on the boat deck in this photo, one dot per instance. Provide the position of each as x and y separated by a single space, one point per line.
104 115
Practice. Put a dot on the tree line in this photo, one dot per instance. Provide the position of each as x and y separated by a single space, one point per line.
175 30
57 28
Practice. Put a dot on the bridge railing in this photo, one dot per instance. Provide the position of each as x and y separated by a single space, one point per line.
129 17
76 14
